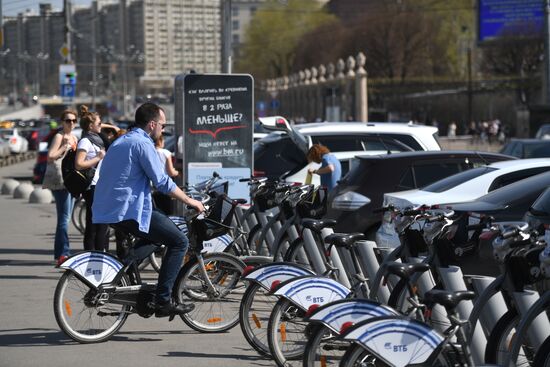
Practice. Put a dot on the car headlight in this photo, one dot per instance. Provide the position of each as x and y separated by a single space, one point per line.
349 201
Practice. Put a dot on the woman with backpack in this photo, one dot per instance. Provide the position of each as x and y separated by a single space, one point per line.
63 142
89 154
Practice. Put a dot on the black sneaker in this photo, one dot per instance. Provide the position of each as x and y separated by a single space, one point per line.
172 309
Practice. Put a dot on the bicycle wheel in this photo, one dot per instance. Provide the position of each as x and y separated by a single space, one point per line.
218 309
542 358
501 340
357 356
254 241
81 315
281 247
256 307
78 215
324 349
286 334
399 300
297 254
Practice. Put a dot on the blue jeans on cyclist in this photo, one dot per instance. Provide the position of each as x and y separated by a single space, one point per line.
162 231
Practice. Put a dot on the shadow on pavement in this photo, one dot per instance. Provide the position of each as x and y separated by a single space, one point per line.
25 262
213 356
13 277
34 337
31 251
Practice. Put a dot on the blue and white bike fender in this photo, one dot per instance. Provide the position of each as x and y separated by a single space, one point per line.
267 274
94 266
218 244
307 291
398 341
334 315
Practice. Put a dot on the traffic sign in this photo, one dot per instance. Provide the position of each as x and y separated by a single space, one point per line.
68 90
64 51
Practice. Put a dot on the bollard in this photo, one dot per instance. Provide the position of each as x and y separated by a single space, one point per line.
23 191
8 187
40 196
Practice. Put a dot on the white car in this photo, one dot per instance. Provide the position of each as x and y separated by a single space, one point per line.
281 154
17 142
464 186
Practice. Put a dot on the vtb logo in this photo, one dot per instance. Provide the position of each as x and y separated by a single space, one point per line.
396 347
314 299
90 271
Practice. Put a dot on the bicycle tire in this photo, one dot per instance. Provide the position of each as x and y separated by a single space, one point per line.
94 329
77 217
253 241
297 254
542 357
254 313
398 301
213 312
501 338
286 333
281 247
324 349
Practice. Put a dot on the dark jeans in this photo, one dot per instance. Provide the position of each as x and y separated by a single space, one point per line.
64 207
162 230
96 236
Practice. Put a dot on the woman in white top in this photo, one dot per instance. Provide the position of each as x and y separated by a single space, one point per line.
165 157
164 202
89 154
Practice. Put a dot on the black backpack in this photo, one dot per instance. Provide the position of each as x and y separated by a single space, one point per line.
75 181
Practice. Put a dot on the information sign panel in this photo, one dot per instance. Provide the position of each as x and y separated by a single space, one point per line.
499 17
217 116
67 80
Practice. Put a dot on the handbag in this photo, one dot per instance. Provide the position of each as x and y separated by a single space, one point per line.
53 178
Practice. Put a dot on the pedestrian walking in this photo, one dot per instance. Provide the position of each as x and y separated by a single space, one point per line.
123 198
330 170
63 142
89 154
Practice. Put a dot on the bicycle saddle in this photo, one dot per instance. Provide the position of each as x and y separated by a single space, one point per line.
344 239
316 225
447 299
406 270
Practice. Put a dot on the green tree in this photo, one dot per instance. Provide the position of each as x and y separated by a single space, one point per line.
269 49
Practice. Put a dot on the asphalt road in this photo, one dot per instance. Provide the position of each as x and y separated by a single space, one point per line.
29 335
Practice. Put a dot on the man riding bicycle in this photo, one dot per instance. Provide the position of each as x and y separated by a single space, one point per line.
123 198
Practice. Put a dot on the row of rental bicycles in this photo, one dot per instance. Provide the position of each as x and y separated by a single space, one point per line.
306 296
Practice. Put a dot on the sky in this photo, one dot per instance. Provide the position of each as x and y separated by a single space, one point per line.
13 7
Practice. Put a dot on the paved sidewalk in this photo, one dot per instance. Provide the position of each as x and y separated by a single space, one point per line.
29 335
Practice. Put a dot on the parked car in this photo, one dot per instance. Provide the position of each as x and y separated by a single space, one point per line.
282 154
361 191
509 203
5 150
527 148
18 144
464 186
543 132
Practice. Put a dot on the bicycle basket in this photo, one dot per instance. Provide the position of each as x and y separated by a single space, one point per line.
217 221
315 205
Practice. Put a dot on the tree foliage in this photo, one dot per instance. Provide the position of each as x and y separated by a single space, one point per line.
272 37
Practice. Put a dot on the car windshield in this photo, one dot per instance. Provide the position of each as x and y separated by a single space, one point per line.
4 133
541 207
517 190
538 150
455 180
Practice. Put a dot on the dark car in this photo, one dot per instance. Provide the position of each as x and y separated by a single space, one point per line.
509 203
527 148
361 191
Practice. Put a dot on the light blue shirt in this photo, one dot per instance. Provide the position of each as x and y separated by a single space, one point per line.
330 179
123 190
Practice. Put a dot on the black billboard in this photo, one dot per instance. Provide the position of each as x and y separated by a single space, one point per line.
218 120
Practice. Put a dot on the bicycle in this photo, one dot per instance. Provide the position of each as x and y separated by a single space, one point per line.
97 292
